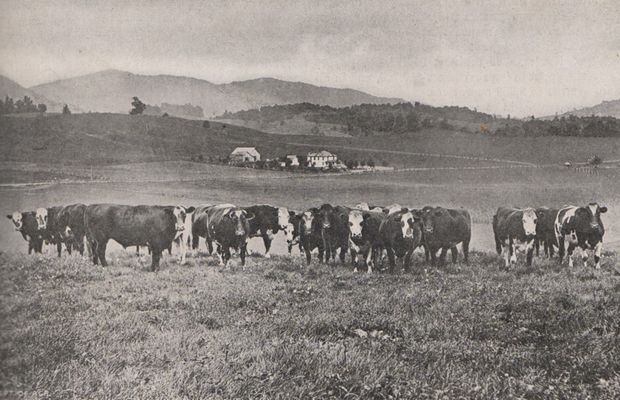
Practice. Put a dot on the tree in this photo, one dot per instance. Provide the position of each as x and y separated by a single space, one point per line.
371 163
138 106
595 161
65 110
42 108
206 124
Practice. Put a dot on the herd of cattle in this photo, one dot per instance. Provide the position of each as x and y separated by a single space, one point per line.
366 232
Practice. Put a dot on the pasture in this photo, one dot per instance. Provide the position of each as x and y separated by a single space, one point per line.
280 329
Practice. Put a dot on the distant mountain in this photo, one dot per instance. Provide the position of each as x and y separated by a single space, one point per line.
14 90
609 108
112 90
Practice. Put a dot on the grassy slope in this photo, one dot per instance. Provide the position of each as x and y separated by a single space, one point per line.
113 138
277 329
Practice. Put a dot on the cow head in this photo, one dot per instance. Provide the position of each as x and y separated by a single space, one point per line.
529 221
180 216
283 218
17 219
389 210
308 220
363 207
588 218
407 222
430 215
41 217
240 219
356 223
326 213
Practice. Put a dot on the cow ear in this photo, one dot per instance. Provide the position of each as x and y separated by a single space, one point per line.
9 216
603 209
291 213
365 216
249 216
190 209
438 213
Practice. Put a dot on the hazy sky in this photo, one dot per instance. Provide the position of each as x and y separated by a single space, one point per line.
518 57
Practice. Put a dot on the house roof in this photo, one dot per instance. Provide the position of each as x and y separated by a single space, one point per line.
322 153
250 150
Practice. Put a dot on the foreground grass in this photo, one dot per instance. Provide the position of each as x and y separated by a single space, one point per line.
282 330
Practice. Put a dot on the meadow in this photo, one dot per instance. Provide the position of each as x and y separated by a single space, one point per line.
279 329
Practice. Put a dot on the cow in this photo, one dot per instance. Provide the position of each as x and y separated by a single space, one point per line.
26 224
580 227
334 230
445 228
267 221
545 230
310 233
293 231
364 236
512 228
152 226
47 221
70 225
199 226
183 238
392 209
229 227
400 234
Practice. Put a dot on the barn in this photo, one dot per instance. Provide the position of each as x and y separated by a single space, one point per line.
244 154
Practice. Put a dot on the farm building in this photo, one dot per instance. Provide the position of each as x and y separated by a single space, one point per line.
244 154
294 160
322 159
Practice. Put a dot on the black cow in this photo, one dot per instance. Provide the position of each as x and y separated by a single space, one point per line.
581 227
513 227
445 228
70 225
229 227
400 234
26 224
364 236
293 232
267 222
545 230
335 230
310 233
47 220
152 226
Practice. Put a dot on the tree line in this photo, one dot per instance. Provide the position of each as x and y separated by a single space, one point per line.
25 105
592 126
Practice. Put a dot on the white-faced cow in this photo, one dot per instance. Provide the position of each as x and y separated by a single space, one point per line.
26 224
545 230
580 227
152 226
267 222
364 236
308 225
515 228
229 227
400 234
47 221
183 238
335 230
445 228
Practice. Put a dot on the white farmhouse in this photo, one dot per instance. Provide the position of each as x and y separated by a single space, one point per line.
244 154
322 159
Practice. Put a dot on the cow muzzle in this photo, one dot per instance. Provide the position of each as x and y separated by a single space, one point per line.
179 228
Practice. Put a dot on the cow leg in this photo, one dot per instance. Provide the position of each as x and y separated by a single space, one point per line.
30 247
267 242
433 253
181 247
407 261
226 251
561 249
195 241
530 251
550 248
101 247
466 251
155 257
242 251
369 260
94 252
569 253
506 253
392 261
597 255
513 251
343 255
427 252
354 259
59 248
454 252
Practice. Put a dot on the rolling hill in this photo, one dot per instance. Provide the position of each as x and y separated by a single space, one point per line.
609 108
14 90
112 90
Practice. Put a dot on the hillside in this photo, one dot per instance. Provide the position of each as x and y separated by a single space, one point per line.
609 108
112 90
14 90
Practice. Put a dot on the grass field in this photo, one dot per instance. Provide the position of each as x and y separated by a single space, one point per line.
279 329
